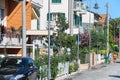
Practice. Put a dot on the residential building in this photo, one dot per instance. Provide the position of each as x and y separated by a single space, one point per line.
11 26
65 7
37 22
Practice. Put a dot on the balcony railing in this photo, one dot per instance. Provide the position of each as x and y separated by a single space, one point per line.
78 6
10 39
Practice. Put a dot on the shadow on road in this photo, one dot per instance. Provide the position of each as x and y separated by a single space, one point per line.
116 76
117 61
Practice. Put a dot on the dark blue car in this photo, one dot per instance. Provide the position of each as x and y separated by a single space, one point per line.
18 68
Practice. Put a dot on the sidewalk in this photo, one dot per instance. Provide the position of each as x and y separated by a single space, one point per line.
99 72
69 76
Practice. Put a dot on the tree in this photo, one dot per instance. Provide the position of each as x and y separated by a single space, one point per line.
98 39
57 42
84 39
114 32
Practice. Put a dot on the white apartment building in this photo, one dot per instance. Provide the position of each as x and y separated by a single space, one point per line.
72 9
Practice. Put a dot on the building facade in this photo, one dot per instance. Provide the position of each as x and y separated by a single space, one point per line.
11 25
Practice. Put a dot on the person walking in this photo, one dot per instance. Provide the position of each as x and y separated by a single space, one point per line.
114 57
110 57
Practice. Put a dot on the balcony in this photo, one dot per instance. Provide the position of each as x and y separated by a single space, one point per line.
79 6
10 40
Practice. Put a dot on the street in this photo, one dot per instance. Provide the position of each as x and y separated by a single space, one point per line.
100 72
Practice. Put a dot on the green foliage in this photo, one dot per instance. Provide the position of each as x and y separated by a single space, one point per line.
42 60
54 66
58 41
61 23
76 66
84 50
73 67
69 41
98 38
102 51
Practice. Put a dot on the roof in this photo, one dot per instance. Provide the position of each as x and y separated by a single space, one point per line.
36 5
103 18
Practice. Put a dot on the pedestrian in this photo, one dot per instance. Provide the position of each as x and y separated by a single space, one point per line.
114 57
110 57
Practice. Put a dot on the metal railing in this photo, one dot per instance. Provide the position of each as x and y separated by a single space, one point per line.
78 5
10 39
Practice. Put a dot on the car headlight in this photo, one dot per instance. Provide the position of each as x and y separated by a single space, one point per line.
17 77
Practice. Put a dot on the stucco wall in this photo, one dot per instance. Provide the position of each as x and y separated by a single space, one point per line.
14 14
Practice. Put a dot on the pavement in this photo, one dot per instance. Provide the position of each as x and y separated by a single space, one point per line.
100 72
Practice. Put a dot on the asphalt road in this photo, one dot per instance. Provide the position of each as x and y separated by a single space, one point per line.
100 72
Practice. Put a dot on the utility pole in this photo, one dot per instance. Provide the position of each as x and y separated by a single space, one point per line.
118 26
107 13
78 57
70 14
49 71
89 29
24 28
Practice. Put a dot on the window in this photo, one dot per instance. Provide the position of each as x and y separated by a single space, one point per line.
77 20
56 1
1 14
54 16
77 0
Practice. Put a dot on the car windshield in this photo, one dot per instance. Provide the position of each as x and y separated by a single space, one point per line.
16 62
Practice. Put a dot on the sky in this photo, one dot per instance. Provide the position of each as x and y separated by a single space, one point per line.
114 7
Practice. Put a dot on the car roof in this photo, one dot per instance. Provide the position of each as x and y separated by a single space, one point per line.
18 57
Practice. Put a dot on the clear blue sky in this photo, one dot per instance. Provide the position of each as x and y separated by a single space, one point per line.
114 7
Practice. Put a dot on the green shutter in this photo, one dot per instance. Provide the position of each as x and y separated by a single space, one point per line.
80 20
76 20
50 16
56 1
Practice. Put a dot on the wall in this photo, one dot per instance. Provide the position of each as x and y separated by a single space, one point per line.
2 4
14 14
63 7
88 19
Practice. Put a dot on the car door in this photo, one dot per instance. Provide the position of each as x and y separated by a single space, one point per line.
32 74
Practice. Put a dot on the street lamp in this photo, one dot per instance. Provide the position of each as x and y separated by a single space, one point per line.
49 71
24 28
107 9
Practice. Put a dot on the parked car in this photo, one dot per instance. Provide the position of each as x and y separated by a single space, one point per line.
18 68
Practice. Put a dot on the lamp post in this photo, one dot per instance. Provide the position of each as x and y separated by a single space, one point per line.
24 28
89 32
49 71
119 41
107 9
78 57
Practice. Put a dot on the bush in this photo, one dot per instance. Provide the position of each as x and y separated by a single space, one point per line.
76 66
73 67
102 51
